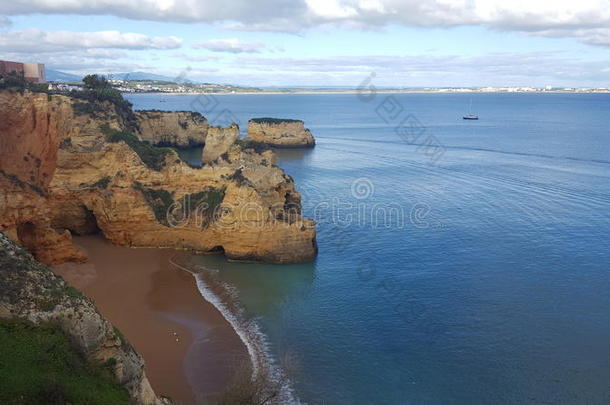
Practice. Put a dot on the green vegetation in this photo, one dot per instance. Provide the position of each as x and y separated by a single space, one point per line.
102 183
206 202
158 200
65 143
98 89
259 147
267 120
18 182
239 178
16 81
40 366
152 157
56 295
87 108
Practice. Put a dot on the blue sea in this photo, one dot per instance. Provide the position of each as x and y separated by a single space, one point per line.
460 262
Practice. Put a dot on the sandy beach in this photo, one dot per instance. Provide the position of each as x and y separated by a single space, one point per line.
189 349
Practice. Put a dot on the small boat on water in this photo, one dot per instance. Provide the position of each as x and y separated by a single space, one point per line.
470 115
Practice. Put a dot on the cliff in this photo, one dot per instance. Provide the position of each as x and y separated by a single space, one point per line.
100 177
180 129
280 133
218 142
30 291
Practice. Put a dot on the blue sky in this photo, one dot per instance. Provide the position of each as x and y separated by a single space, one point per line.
319 43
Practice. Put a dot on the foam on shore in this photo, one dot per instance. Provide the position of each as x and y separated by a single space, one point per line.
226 300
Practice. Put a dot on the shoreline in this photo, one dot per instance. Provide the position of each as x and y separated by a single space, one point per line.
224 298
377 91
190 349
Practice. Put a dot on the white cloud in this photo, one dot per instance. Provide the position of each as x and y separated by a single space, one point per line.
533 16
496 69
231 45
35 40
592 36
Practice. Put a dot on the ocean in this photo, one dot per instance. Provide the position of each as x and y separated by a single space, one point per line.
462 262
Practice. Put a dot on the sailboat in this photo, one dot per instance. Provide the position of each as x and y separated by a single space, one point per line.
470 115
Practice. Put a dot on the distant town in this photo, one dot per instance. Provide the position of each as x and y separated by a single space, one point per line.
36 73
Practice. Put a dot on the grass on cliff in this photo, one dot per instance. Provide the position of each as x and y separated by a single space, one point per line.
152 156
39 365
206 203
258 147
18 182
158 200
267 120
87 108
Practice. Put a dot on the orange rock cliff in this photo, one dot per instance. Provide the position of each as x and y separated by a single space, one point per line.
66 167
280 133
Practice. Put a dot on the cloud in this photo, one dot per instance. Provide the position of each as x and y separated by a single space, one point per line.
495 69
231 45
592 36
579 19
35 40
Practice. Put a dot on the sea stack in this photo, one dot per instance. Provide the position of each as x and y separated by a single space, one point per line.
280 133
218 142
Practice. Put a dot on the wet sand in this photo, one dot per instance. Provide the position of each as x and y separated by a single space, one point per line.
189 348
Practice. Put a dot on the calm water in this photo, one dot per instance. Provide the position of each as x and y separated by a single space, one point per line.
495 285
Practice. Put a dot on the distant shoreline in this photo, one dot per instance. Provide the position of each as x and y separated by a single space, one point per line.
379 91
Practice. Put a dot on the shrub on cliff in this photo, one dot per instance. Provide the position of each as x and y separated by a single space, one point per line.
98 89
13 80
267 120
40 366
258 147
16 81
206 203
151 156
158 200
239 178
86 108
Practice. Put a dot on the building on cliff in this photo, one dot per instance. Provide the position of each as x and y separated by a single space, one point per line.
32 72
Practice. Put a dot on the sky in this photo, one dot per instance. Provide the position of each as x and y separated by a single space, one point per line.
404 43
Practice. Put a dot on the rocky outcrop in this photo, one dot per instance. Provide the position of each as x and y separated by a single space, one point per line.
29 290
31 129
218 142
179 129
106 179
280 133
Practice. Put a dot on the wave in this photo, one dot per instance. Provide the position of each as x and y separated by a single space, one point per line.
225 299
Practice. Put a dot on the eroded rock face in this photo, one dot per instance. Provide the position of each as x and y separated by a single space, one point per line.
180 129
280 133
31 128
218 142
31 158
241 204
29 290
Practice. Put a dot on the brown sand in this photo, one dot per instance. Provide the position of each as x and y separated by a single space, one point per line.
189 348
